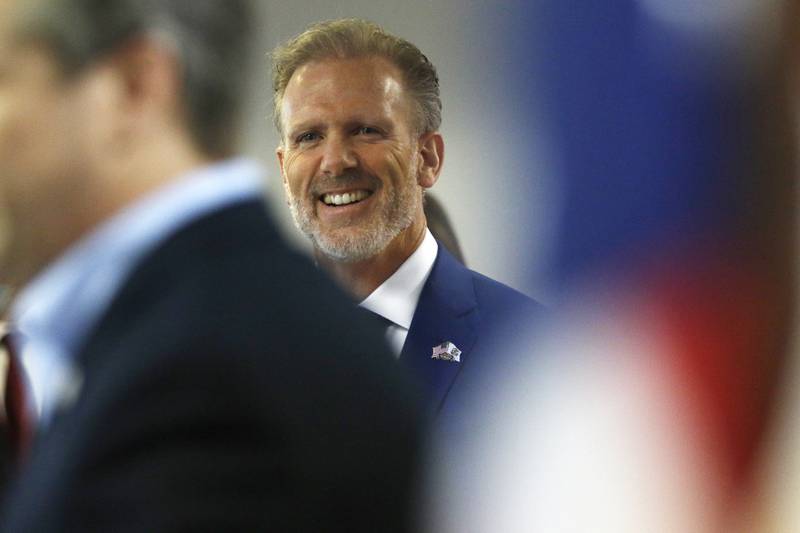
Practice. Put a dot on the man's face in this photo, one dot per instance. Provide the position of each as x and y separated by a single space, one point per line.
350 156
41 125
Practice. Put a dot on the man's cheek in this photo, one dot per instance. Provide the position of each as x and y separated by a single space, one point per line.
292 177
397 165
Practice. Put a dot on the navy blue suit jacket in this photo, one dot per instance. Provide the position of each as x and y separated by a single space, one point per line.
465 308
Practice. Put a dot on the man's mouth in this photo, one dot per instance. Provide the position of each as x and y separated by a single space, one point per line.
350 197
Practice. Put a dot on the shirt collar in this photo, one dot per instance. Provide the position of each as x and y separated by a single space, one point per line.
61 303
396 298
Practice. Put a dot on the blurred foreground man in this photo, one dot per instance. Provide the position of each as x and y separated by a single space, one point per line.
186 371
358 111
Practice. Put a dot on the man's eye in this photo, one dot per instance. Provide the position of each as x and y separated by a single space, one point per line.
306 137
366 130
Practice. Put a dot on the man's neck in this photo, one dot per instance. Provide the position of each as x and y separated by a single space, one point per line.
360 278
106 192
151 167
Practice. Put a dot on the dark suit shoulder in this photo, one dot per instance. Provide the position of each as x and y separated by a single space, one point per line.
228 371
492 294
228 286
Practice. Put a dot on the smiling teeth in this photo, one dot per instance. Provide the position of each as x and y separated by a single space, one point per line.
344 199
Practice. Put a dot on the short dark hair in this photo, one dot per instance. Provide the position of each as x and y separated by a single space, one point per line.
352 38
212 38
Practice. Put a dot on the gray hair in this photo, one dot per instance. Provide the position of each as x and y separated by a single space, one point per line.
211 38
350 38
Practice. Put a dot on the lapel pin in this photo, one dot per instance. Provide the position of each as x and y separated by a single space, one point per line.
447 351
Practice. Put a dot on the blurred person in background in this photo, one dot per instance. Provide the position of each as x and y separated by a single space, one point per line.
358 112
187 371
653 396
441 227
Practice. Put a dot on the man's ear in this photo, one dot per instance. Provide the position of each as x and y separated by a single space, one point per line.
431 151
279 153
131 97
150 72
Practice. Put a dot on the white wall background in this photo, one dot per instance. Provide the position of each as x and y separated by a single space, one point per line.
500 204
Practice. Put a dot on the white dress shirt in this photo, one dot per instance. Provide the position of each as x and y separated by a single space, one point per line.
55 312
396 298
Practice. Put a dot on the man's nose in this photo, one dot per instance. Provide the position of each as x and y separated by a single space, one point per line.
337 157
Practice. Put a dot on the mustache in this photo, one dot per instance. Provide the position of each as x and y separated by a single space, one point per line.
326 183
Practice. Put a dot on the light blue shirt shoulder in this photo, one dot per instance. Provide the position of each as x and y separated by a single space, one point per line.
57 310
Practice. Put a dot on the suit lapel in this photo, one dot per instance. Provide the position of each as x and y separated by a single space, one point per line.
447 311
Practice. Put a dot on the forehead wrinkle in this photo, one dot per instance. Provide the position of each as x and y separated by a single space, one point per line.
324 86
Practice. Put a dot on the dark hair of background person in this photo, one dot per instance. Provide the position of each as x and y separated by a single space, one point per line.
211 39
440 226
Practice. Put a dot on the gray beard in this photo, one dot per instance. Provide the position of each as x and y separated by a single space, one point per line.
352 245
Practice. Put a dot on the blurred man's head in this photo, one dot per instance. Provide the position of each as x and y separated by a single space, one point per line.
358 111
209 40
93 91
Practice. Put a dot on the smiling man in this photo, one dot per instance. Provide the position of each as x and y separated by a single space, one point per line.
358 111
